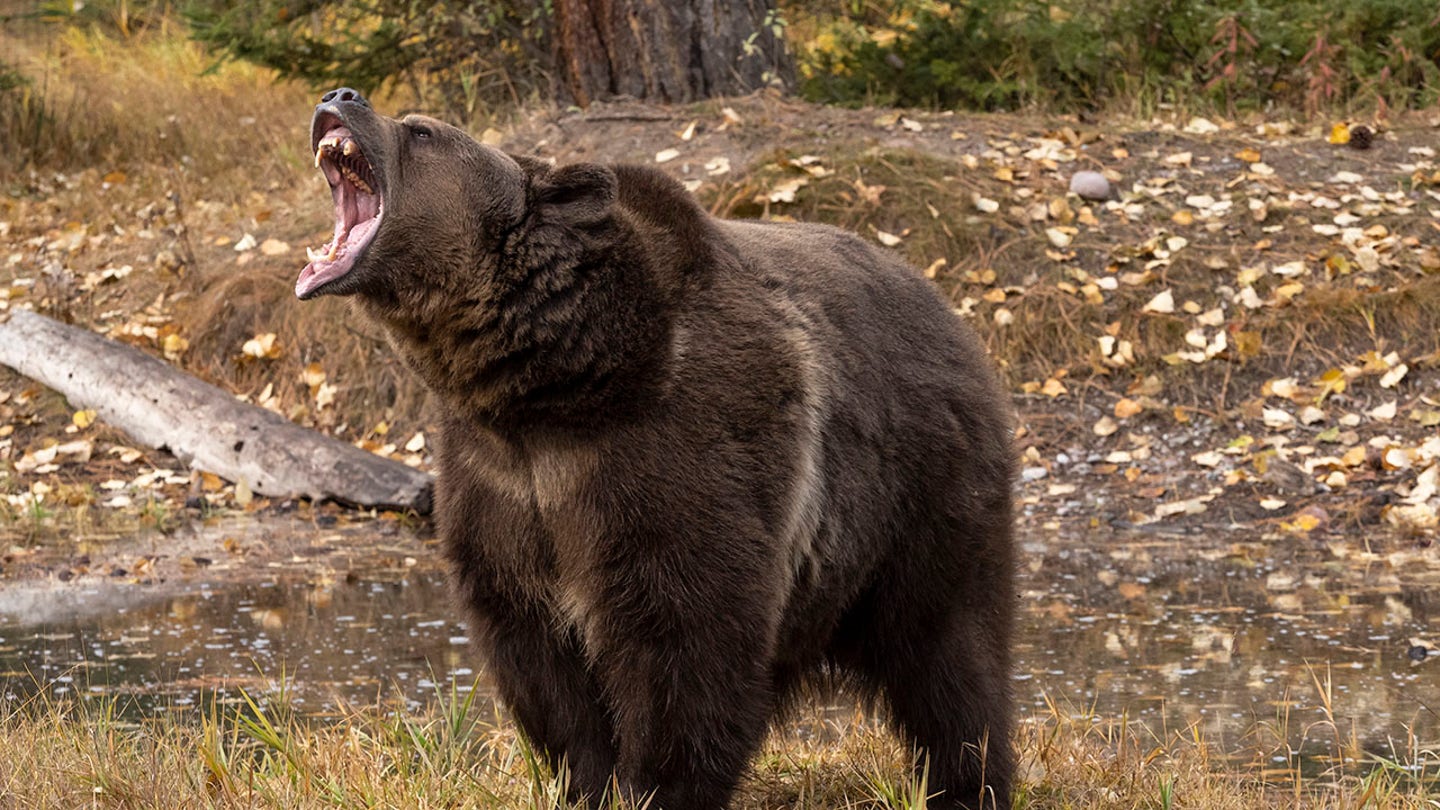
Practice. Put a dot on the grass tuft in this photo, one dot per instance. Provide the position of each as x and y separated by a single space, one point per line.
67 753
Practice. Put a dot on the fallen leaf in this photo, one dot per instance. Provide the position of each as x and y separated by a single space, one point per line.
312 375
1385 411
1277 419
1201 126
174 346
1163 303
1126 408
785 191
1393 377
263 346
1060 237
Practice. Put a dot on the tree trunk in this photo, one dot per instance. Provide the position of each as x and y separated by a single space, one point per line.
667 51
204 426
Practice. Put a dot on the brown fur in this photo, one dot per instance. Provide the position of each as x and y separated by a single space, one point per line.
687 462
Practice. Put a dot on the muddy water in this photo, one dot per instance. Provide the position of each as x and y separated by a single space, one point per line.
1246 637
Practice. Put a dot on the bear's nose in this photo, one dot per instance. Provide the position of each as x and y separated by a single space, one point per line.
344 94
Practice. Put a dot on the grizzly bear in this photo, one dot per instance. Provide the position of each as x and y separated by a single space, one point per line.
686 464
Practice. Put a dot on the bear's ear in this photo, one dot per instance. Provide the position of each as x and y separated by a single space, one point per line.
579 194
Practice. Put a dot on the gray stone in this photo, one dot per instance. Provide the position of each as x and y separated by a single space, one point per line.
1092 186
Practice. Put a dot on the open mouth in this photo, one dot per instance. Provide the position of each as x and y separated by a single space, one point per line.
358 208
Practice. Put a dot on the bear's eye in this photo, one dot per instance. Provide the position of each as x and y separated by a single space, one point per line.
420 131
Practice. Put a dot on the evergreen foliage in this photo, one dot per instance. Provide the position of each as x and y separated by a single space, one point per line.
1069 54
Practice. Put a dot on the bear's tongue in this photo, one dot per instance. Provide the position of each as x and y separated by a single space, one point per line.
358 210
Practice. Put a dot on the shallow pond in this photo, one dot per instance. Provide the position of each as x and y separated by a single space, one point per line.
1249 639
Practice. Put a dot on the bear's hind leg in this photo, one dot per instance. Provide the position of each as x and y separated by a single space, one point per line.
941 657
961 724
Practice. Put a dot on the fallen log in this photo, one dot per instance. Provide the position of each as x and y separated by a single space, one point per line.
202 425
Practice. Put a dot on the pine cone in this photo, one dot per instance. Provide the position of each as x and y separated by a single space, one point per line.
1361 137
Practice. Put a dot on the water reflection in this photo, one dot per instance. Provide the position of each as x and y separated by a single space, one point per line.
1279 650
1249 639
333 642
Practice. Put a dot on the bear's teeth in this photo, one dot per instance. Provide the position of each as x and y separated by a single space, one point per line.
355 180
349 147
321 256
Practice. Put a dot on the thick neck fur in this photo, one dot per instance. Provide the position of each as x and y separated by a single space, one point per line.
565 326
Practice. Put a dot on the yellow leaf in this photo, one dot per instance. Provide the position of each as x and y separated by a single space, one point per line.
1331 382
1126 408
1248 155
210 482
1247 344
263 346
173 346
83 419
313 375
1355 456
1340 134
114 178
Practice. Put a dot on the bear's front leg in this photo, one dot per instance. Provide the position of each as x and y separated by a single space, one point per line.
684 648
541 676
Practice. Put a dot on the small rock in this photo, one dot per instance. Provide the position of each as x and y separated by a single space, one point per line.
1092 186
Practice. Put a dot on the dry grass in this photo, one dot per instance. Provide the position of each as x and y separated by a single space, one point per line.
453 754
99 99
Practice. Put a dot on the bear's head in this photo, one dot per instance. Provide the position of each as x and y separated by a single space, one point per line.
421 208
